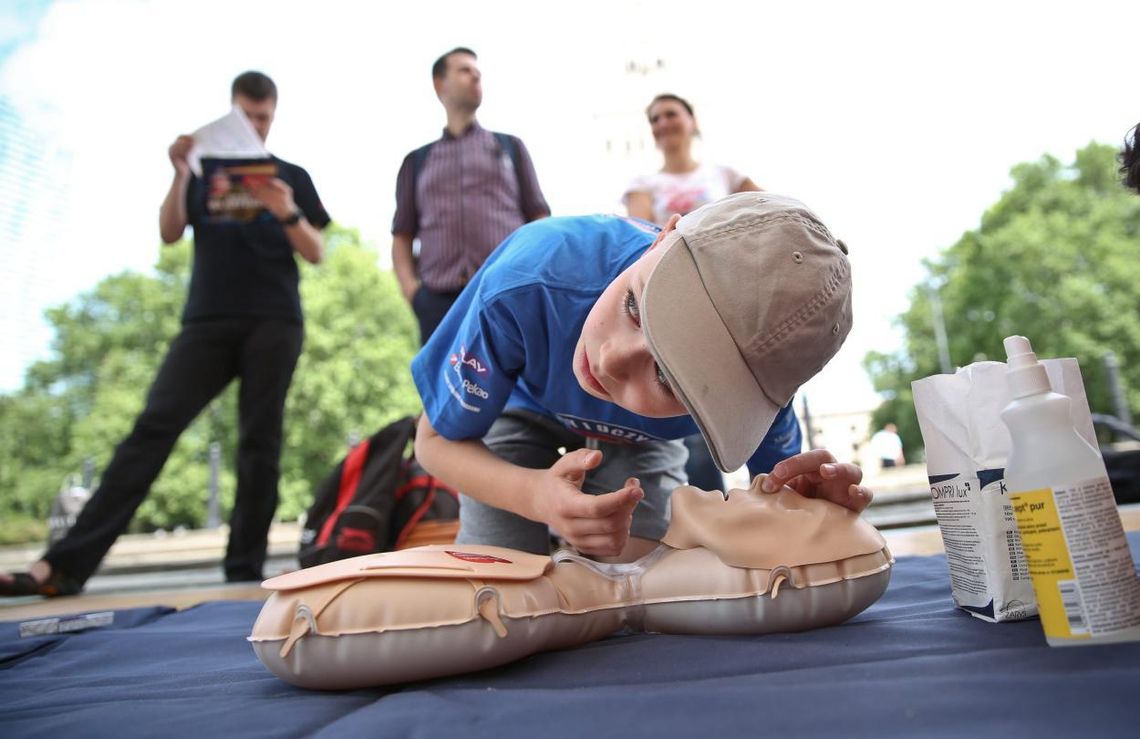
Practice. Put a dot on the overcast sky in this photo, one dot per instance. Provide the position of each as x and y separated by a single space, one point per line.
897 122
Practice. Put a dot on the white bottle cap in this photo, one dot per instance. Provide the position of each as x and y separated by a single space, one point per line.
1026 375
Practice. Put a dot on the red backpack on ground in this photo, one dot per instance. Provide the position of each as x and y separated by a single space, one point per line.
378 499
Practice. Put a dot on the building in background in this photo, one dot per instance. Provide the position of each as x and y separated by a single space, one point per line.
621 134
846 433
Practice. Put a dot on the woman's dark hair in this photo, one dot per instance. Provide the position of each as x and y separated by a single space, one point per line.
1130 159
255 86
670 96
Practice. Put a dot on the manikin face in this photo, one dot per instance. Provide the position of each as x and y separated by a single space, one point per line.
259 112
612 360
671 123
461 88
757 529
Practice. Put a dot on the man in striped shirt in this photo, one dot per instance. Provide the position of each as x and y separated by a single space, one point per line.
460 196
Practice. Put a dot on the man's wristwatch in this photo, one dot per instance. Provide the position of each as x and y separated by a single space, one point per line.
293 219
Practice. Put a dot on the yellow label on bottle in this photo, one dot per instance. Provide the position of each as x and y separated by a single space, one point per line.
1050 565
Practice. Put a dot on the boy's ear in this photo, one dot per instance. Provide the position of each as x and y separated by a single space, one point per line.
670 225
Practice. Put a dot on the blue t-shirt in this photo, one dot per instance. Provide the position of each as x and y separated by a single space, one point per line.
508 342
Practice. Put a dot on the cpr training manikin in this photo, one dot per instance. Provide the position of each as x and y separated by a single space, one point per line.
746 563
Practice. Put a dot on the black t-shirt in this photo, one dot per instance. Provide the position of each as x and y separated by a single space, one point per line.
248 269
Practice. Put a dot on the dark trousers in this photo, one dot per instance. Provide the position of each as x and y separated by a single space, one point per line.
701 470
430 307
201 361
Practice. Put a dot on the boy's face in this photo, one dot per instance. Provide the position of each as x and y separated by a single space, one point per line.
612 360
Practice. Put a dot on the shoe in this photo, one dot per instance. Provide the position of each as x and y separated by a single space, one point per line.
24 584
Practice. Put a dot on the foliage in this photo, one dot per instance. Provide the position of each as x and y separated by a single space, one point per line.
1054 260
353 373
351 378
20 529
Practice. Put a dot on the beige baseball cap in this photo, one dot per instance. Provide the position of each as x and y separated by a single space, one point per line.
748 303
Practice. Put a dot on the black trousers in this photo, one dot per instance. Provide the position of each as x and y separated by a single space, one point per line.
201 361
430 307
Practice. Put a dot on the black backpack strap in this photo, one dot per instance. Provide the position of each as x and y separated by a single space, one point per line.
509 144
419 156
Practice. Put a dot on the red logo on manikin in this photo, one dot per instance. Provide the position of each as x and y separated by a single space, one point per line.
481 558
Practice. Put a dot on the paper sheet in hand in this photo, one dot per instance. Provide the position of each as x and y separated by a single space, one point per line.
230 137
967 446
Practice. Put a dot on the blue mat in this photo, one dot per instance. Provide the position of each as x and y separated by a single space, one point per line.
910 666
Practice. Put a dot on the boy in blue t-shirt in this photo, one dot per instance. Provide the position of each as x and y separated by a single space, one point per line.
558 388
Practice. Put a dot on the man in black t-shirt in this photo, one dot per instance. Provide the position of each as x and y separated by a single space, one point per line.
242 320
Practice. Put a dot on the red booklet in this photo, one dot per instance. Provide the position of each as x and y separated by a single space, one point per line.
228 198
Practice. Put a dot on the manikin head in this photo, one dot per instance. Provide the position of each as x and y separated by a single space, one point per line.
751 528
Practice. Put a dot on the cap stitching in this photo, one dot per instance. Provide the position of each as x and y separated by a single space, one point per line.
807 310
742 225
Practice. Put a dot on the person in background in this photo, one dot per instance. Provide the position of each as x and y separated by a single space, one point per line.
243 320
887 446
1130 159
682 185
459 195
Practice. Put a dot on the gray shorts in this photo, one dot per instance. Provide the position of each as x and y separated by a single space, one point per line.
533 441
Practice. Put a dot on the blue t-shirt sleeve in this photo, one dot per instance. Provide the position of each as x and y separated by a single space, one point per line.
468 368
784 440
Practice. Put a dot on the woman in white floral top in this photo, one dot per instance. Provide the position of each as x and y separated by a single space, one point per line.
682 185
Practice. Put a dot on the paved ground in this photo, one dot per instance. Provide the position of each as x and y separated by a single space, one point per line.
183 569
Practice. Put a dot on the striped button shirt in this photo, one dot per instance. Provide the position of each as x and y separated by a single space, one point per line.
466 200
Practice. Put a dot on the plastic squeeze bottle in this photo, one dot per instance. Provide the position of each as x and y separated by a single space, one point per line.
1086 586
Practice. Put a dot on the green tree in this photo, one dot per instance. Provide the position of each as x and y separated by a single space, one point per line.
31 448
1055 259
80 402
352 376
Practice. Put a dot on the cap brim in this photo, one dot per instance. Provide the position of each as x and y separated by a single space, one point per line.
701 361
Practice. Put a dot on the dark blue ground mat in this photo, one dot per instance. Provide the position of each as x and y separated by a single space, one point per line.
910 666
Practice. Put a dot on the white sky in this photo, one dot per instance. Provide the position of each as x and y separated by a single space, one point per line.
896 122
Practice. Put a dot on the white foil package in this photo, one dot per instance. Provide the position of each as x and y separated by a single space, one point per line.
966 450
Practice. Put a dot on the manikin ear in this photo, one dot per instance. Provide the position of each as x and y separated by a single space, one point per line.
670 225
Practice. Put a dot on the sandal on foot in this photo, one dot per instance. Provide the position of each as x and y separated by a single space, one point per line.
24 584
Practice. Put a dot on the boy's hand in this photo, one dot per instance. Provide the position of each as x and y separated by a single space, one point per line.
593 524
816 474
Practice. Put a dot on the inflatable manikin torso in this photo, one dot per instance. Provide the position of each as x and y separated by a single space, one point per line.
751 563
